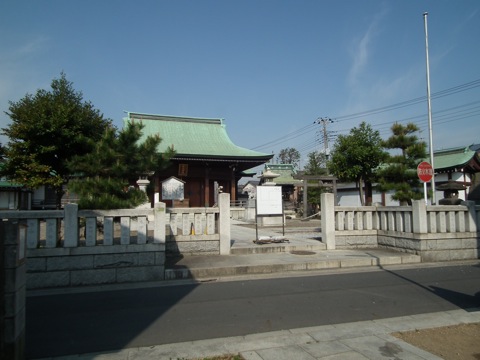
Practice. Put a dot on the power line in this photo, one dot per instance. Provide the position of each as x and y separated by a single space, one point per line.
463 111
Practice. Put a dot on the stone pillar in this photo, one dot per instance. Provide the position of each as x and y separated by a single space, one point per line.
305 198
12 290
470 221
419 214
159 235
224 223
71 225
328 220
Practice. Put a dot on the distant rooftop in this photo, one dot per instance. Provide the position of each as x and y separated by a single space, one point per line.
286 172
457 157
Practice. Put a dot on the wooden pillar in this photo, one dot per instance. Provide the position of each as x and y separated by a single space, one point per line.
233 187
305 205
207 187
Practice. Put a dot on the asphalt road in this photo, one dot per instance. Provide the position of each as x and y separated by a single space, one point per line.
108 320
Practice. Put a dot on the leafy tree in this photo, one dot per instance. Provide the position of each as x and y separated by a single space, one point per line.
46 131
289 156
317 164
356 157
400 172
106 175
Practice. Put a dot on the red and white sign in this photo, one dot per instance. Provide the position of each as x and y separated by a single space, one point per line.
425 171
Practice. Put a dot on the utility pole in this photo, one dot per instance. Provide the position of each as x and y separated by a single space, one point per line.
324 122
425 14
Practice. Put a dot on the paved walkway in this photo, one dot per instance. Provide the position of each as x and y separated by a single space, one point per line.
303 252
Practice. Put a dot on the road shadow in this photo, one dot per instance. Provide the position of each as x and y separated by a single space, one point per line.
66 324
464 301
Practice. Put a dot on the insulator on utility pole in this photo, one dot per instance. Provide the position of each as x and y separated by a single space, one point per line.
324 122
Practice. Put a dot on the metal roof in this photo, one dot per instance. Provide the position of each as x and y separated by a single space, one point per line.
195 138
454 158
286 172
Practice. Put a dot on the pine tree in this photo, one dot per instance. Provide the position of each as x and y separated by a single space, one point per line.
106 176
399 174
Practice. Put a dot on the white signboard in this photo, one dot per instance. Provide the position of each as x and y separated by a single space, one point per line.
172 189
269 200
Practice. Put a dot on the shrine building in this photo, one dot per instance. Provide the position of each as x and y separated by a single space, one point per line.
205 158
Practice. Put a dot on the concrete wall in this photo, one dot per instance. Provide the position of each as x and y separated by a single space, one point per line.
12 291
64 267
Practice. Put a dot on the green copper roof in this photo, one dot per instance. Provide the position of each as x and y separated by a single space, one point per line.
8 184
455 157
286 172
193 136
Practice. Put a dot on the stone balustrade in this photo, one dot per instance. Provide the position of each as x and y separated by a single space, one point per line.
437 233
73 247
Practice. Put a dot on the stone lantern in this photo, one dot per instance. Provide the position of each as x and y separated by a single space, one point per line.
450 192
267 178
143 181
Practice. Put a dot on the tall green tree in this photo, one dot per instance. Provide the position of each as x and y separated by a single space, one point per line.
289 156
356 157
46 130
316 165
400 174
107 175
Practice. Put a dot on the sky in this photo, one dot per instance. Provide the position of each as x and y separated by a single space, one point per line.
272 69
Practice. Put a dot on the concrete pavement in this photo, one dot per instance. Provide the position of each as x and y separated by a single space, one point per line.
303 252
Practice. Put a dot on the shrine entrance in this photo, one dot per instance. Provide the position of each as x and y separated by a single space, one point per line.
329 182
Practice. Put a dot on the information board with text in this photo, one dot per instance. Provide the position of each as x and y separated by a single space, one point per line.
269 200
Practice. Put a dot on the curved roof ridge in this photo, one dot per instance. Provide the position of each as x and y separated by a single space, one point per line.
145 116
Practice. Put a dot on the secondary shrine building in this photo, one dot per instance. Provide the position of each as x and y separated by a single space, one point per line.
205 157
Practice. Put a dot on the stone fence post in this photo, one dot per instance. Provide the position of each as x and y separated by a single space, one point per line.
419 215
160 222
471 221
71 230
327 201
224 223
12 290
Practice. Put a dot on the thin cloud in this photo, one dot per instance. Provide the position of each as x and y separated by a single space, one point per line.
362 49
360 57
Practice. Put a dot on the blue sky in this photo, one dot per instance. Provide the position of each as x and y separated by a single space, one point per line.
269 68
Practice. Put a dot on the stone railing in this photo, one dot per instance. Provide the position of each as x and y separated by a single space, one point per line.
73 247
434 232
199 230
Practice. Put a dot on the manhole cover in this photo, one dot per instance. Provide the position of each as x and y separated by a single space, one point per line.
302 252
